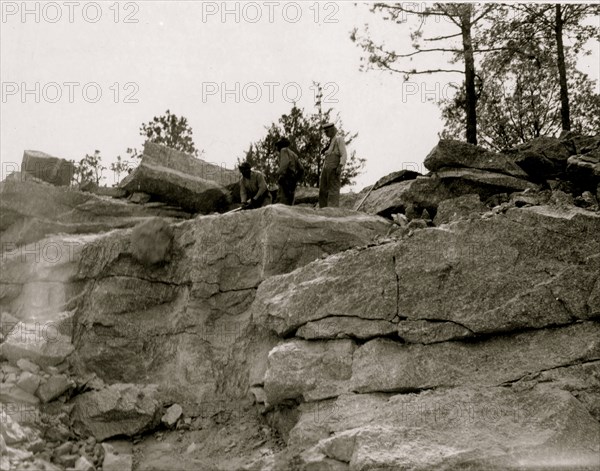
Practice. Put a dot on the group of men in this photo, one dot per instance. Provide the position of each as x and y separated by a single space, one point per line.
254 192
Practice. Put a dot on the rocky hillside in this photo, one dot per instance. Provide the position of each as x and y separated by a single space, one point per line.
452 323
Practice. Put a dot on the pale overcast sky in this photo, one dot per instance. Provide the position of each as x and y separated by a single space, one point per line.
148 56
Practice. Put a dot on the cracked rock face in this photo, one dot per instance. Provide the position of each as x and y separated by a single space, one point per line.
461 428
471 346
474 345
185 324
531 268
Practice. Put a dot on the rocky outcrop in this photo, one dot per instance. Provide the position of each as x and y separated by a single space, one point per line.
295 338
496 312
30 211
50 169
459 169
428 192
386 365
184 325
489 271
180 179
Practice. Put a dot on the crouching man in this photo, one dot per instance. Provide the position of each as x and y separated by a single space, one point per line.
253 188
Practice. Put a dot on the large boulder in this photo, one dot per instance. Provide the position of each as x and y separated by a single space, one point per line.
584 170
579 143
542 158
531 268
422 192
462 428
456 154
184 324
50 169
117 410
180 179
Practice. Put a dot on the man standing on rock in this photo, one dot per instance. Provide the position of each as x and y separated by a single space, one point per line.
253 188
287 174
333 164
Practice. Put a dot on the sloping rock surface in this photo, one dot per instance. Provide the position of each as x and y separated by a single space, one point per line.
30 211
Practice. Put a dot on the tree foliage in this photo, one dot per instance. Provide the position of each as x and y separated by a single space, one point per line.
468 21
169 130
550 35
521 94
89 170
307 140
519 61
119 167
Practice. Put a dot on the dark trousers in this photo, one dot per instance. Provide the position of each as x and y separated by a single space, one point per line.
287 190
264 200
329 188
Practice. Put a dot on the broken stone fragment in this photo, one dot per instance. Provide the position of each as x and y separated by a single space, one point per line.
54 387
118 456
119 409
29 382
39 349
50 169
26 365
83 464
172 415
68 461
64 449
12 394
11 431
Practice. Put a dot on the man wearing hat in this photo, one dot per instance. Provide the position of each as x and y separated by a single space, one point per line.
253 187
333 164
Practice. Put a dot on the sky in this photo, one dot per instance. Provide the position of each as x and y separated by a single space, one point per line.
83 76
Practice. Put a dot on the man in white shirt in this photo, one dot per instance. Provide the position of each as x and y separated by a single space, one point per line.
333 163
